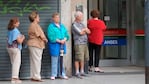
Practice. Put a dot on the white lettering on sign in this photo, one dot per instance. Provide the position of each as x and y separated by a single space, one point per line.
110 42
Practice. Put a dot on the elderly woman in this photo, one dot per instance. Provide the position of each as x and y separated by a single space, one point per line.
36 43
14 46
57 37
95 39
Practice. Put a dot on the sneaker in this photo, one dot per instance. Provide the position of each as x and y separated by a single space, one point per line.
52 78
97 69
65 77
16 81
79 76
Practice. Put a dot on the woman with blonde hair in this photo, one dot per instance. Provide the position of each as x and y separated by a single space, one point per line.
36 43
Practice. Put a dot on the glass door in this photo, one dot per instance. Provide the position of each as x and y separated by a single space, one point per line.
115 13
124 37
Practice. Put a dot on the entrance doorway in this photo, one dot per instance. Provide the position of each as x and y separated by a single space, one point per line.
119 47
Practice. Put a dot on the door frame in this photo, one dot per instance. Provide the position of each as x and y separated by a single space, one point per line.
131 59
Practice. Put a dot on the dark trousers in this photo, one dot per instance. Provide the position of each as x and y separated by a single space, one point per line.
94 52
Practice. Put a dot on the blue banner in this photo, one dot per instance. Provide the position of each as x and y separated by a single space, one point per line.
113 42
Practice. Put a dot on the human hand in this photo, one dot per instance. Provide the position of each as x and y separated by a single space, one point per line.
45 40
83 31
63 41
87 31
57 40
20 39
22 36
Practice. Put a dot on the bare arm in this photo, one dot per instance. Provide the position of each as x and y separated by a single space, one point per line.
87 31
78 30
20 39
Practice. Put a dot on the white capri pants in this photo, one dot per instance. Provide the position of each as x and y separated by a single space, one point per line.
15 57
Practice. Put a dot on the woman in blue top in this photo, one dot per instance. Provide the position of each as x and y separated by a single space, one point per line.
14 46
57 37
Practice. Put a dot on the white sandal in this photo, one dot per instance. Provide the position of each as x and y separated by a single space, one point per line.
97 69
15 80
52 78
65 77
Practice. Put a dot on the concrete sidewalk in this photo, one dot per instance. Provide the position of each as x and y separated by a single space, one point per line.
112 75
94 79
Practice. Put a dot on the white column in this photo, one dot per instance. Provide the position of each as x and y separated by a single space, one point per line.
68 8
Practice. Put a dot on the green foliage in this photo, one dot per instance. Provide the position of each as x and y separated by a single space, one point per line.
14 7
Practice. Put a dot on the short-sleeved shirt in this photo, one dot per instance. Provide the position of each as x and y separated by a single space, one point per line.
35 34
78 38
12 36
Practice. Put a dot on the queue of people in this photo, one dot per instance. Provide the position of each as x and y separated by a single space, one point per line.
57 36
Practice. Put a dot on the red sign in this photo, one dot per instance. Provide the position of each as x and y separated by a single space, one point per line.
122 32
139 32
115 32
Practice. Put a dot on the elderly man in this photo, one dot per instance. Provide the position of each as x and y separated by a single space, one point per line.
80 43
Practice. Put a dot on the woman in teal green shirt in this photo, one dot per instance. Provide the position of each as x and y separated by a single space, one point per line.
57 37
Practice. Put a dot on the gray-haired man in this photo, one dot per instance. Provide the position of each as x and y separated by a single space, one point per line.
80 43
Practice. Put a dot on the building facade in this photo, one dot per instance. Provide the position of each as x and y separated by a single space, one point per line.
124 37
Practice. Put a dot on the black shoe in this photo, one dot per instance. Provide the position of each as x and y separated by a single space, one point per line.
90 69
79 76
